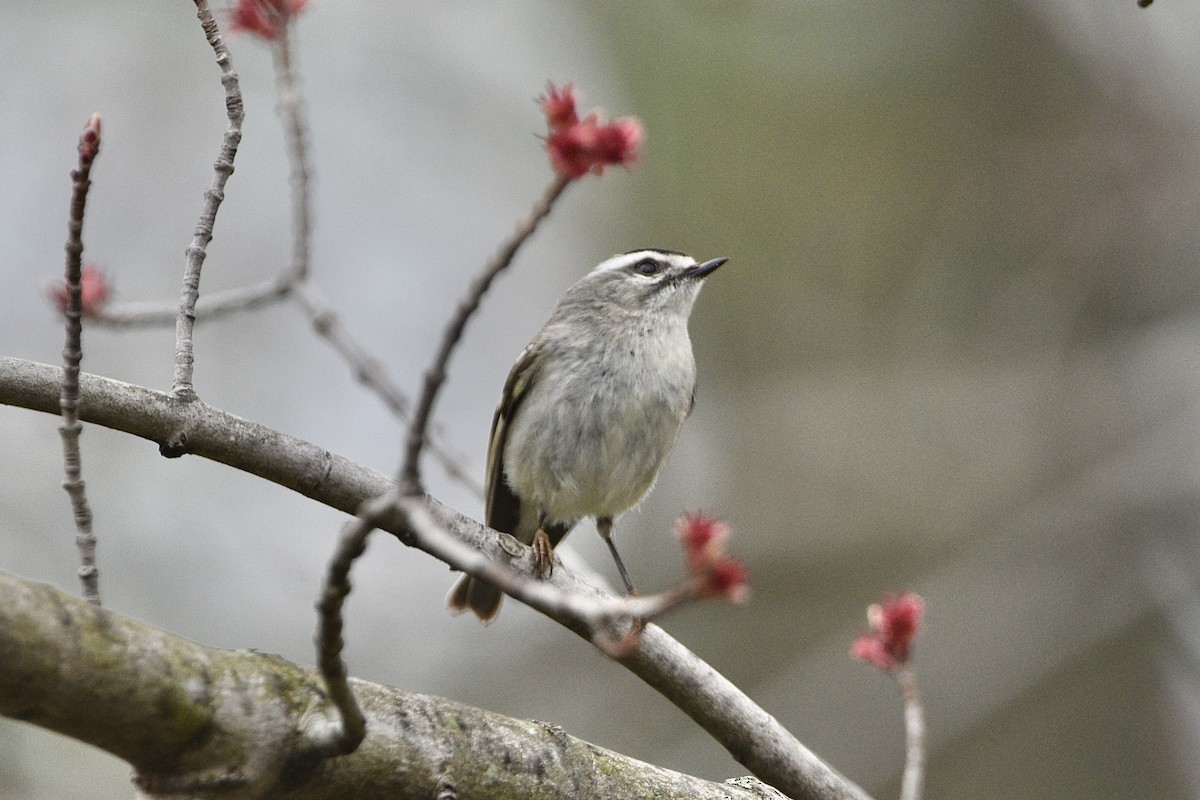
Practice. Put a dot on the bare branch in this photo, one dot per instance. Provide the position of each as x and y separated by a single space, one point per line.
295 281
914 730
410 472
209 307
85 538
291 111
754 737
223 168
202 722
345 738
369 372
366 369
610 622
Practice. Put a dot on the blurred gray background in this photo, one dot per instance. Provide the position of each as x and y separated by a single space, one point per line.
957 350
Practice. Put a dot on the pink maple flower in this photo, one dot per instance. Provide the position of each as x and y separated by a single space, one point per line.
894 624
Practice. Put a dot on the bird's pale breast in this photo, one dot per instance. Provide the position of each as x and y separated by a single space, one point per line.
591 437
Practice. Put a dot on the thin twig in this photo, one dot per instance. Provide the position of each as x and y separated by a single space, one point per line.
342 739
85 539
914 733
209 307
371 373
295 282
607 620
291 111
182 387
367 370
410 473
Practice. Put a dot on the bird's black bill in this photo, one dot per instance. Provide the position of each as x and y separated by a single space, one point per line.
700 270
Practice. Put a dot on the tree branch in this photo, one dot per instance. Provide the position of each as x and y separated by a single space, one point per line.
202 722
369 372
223 168
913 781
209 307
410 470
344 738
85 538
750 734
291 112
366 369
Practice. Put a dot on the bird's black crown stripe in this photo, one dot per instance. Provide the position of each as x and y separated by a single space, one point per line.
655 250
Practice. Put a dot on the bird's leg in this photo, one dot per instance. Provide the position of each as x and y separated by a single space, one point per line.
604 526
543 551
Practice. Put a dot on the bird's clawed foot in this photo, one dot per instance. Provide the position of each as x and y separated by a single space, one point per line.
543 555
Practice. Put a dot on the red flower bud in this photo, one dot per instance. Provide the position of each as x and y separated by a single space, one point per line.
579 146
620 141
717 573
894 625
93 292
727 578
265 19
558 103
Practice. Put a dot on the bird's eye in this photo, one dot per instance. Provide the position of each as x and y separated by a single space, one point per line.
647 266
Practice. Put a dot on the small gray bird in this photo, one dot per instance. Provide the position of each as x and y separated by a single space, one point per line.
593 406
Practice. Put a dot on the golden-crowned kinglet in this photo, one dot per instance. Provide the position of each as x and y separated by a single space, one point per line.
592 408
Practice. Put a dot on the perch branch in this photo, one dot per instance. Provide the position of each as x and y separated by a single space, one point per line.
754 737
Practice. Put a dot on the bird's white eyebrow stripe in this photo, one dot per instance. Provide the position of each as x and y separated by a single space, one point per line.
623 260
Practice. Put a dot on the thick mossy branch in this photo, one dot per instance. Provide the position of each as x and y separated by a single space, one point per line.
200 721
